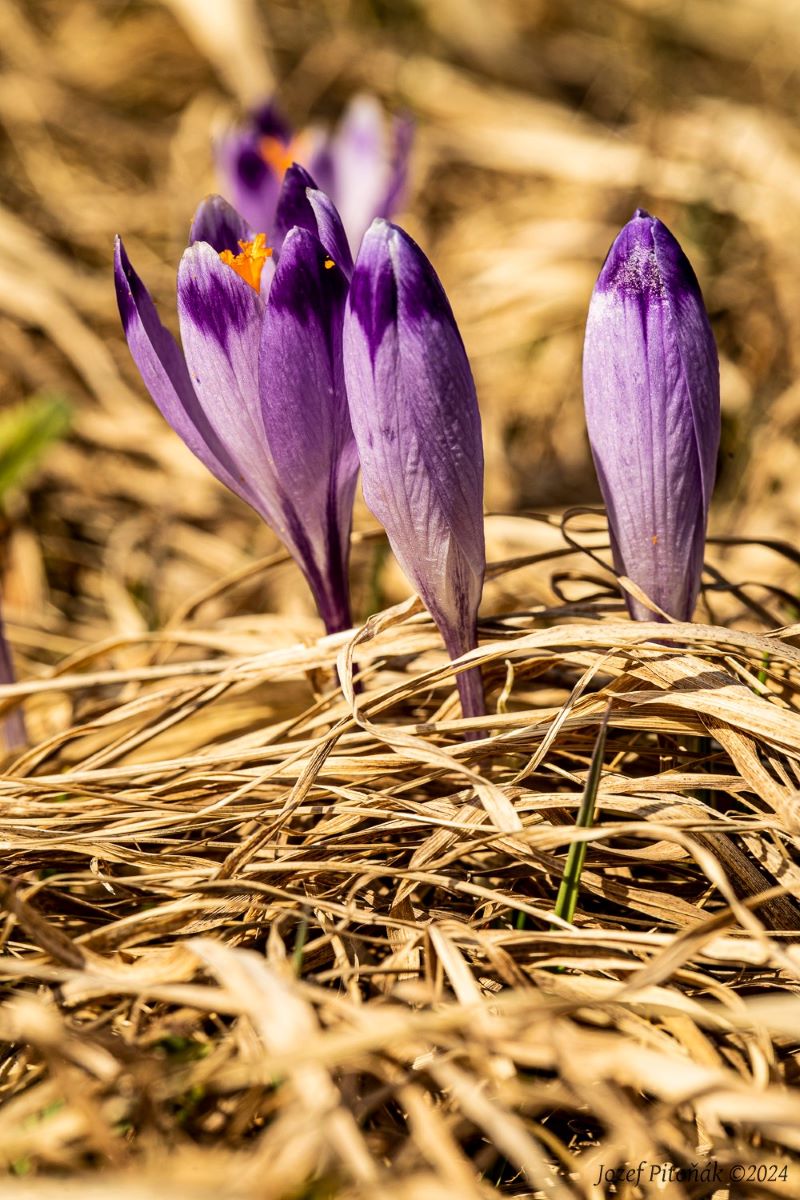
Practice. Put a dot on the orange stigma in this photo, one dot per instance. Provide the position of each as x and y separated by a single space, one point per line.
250 263
277 154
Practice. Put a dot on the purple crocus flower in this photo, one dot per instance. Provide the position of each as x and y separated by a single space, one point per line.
257 391
651 390
357 165
416 421
13 734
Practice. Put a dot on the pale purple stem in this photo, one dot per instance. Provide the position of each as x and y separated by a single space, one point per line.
469 683
12 727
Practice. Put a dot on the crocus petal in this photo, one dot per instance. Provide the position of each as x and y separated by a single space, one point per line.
402 140
417 426
302 482
249 161
293 208
302 205
220 320
268 119
651 389
166 377
319 159
248 179
306 417
330 230
361 167
219 224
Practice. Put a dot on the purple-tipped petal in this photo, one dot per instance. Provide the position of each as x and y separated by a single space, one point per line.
306 417
166 377
219 224
220 319
417 426
651 390
302 205
330 231
293 207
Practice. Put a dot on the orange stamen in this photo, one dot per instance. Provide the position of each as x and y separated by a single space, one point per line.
250 263
328 264
277 154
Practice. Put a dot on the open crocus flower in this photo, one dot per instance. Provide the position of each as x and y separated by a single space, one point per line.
416 421
13 734
361 168
651 391
257 391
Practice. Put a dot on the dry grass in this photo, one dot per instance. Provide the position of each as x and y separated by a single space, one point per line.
268 937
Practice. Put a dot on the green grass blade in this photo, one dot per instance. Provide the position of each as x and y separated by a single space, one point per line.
568 892
26 431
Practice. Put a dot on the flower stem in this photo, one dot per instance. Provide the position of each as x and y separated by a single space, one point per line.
469 683
470 691
13 733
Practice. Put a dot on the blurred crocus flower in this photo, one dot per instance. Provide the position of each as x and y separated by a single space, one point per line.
257 391
13 734
651 391
416 422
359 165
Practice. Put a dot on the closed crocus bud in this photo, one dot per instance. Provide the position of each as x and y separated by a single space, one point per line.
256 391
416 423
651 390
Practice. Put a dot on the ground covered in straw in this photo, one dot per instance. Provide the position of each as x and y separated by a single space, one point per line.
269 934
271 937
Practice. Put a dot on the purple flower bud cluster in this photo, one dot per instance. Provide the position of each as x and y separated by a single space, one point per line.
361 169
299 365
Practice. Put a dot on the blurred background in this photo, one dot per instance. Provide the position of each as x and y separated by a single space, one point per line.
541 125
